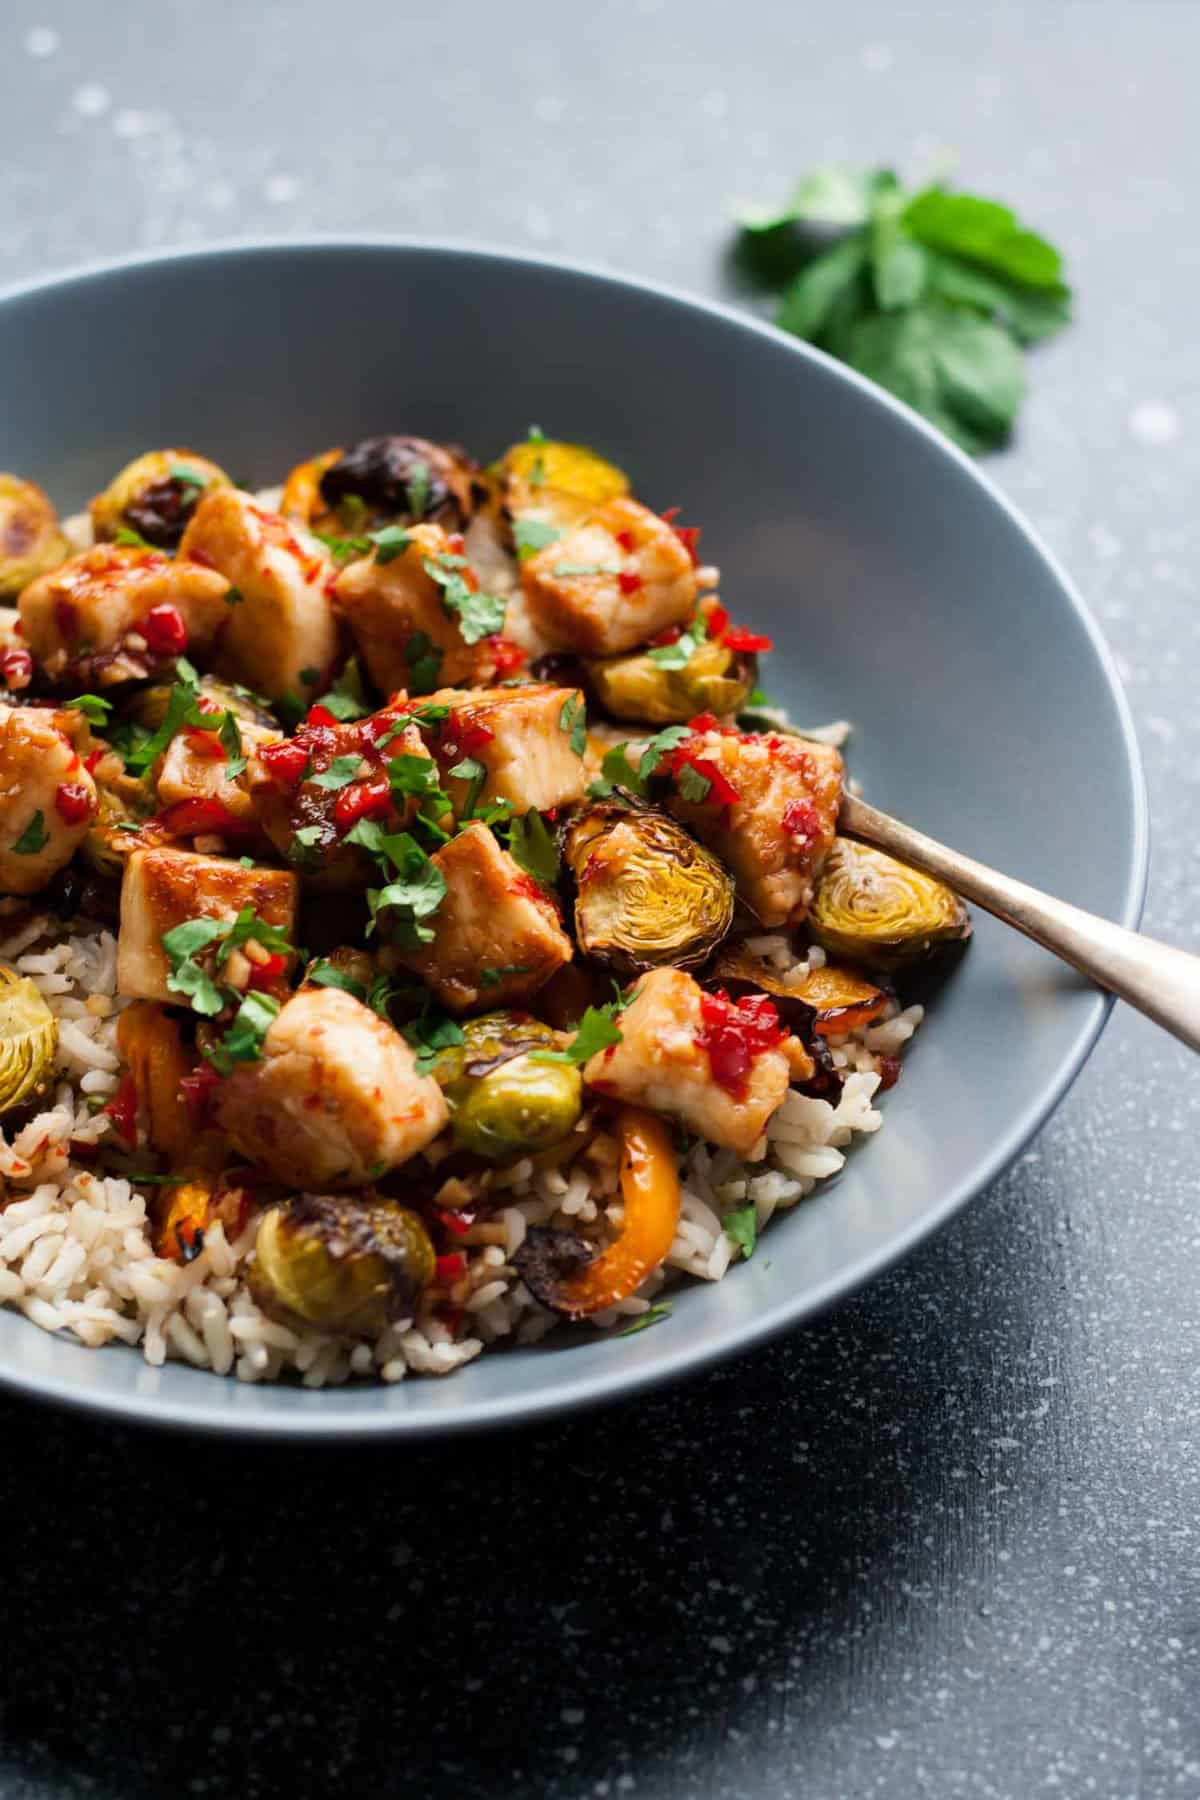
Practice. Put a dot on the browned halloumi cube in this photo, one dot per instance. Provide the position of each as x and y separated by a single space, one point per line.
397 613
530 741
191 770
335 1101
497 935
47 797
662 1062
778 831
281 637
611 583
92 616
163 888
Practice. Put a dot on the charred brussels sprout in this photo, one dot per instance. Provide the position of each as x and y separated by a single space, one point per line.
647 895
28 1040
830 1000
503 1102
30 540
556 484
878 911
401 478
714 680
343 1263
155 495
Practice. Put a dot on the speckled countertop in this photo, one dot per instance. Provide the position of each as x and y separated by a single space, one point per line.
943 1542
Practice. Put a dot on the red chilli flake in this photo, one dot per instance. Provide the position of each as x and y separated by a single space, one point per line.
717 620
164 631
285 763
689 537
73 802
629 581
456 1223
362 800
16 666
738 638
96 756
801 819
734 1034
319 715
627 541
448 1269
265 974
122 1109
507 656
190 818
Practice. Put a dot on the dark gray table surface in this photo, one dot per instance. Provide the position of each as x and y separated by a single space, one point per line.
943 1542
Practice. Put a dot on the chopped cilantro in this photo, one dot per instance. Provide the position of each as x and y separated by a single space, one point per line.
94 709
473 772
564 571
33 838
537 473
617 771
343 549
597 1030
234 596
186 976
302 847
478 614
679 654
243 1040
655 1316
187 477
340 773
433 1032
424 658
289 709
347 699
231 740
741 1228
414 893
532 535
126 535
493 977
573 719
532 845
390 542
692 785
247 862
419 486
327 974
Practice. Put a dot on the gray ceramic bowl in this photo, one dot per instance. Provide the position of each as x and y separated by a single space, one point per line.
902 593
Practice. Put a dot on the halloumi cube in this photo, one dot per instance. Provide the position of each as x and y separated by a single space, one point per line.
397 613
163 888
611 583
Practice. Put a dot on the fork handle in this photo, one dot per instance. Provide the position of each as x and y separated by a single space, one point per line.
1162 982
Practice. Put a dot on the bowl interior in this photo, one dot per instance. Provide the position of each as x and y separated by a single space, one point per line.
901 592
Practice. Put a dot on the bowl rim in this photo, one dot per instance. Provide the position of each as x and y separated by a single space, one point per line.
621 1383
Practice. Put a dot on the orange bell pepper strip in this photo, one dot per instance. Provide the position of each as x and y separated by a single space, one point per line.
650 1191
302 500
841 999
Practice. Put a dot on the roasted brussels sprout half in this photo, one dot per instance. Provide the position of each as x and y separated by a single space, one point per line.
714 679
30 540
28 1040
830 1000
155 495
878 911
120 802
647 895
503 1102
404 478
556 484
343 1263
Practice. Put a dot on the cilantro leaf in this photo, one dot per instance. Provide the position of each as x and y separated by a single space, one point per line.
473 772
390 542
33 838
347 698
961 371
573 719
413 895
126 535
596 1031
186 976
565 571
248 925
327 974
418 485
493 977
679 654
182 710
656 1315
617 771
424 658
479 615
433 1032
692 785
234 596
302 846
187 477
243 1040
343 549
533 846
741 1228
984 232
532 535
340 773
94 709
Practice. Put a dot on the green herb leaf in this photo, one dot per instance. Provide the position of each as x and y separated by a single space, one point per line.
434 1031
741 1228
94 709
655 1316
424 658
187 477
573 719
679 654
234 596
347 698
340 773
126 535
493 977
243 1040
984 232
596 1031
472 771
390 542
343 549
418 488
692 785
186 976
617 770
565 571
532 535
302 847
832 279
248 925
533 846
33 838
959 370
479 615
327 974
